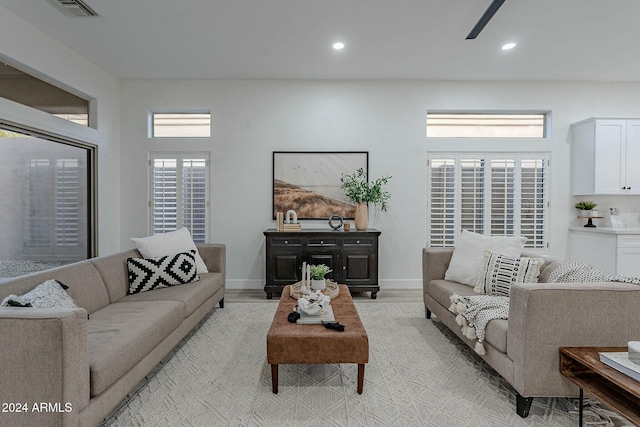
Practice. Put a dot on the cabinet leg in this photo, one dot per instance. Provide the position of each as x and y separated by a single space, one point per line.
269 295
374 294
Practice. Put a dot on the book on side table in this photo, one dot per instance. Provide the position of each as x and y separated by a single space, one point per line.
619 361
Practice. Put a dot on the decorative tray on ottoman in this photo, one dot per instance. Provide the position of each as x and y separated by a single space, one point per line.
331 289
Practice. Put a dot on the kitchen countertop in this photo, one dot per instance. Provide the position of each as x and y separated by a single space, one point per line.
607 230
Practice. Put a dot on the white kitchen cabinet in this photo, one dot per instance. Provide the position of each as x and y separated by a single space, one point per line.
603 153
616 250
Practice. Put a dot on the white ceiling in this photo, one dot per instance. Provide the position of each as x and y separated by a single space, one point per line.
385 39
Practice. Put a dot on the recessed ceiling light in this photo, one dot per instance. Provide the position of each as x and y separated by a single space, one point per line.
508 46
338 46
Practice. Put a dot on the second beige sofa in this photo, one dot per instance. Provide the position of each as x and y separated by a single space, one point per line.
543 317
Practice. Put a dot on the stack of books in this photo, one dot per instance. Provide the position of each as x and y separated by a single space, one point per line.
291 227
620 361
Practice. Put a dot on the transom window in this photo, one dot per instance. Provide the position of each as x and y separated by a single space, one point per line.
491 194
486 125
180 125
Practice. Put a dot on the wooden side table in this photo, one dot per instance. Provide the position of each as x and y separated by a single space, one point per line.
620 392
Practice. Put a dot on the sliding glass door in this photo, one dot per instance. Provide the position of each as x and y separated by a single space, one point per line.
46 214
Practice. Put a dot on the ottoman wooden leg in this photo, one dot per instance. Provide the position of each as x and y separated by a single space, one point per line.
360 377
274 378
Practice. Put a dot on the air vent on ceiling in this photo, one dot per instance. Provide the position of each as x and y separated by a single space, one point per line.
74 7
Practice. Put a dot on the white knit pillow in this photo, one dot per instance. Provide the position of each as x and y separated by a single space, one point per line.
468 255
50 294
500 272
169 243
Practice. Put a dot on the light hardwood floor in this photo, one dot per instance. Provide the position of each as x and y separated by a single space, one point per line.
258 295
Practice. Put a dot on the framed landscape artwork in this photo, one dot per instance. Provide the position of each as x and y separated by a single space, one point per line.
308 182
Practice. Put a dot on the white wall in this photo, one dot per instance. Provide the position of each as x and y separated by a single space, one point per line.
24 43
387 118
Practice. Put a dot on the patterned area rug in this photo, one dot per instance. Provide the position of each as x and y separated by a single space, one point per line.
419 374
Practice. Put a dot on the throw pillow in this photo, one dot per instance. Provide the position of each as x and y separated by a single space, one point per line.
468 255
155 273
169 243
500 272
50 294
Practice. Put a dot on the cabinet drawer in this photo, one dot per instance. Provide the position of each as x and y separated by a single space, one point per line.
286 242
631 241
364 241
322 242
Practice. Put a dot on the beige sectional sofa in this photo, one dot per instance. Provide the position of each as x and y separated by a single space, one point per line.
72 367
543 317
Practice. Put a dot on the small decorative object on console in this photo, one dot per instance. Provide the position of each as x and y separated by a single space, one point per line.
335 221
291 222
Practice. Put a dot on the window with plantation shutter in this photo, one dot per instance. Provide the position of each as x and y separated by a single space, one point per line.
54 203
179 193
67 201
491 194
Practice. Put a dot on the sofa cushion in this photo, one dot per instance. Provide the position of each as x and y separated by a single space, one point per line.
496 331
147 274
123 333
496 334
467 257
192 294
440 290
499 272
113 269
169 243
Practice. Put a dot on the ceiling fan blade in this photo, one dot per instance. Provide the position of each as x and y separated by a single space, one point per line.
485 18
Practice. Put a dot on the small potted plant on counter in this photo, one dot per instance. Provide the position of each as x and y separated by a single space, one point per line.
587 208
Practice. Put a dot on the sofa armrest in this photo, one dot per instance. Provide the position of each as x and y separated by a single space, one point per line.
546 316
45 361
435 262
214 256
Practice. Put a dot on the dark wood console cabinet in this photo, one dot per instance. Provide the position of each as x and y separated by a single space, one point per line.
352 255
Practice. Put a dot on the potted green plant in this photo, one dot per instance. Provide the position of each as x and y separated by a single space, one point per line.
587 208
361 192
317 272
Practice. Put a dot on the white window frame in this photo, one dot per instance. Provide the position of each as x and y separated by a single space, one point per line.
455 223
179 158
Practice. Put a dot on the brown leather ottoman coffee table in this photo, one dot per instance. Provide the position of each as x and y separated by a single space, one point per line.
310 344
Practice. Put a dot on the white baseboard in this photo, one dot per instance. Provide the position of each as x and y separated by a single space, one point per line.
384 284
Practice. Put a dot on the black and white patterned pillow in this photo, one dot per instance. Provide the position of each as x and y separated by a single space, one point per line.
499 272
146 274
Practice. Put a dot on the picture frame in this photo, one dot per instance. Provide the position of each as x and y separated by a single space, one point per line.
308 182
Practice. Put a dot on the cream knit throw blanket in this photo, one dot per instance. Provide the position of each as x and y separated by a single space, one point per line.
476 311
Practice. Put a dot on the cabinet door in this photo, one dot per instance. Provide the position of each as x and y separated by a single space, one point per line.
359 261
610 156
627 263
632 179
284 260
324 250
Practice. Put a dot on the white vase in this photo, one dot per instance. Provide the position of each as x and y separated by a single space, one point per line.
318 285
